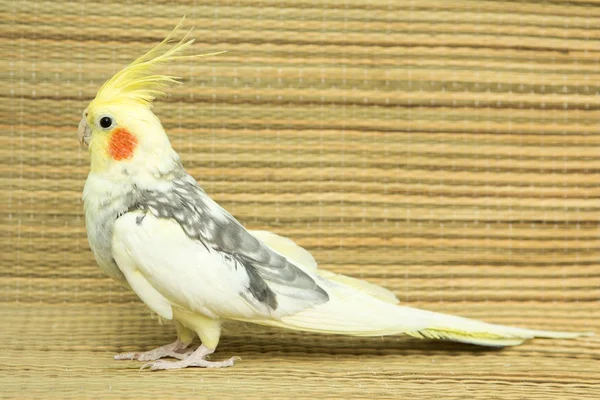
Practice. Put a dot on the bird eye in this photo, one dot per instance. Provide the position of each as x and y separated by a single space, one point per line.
106 122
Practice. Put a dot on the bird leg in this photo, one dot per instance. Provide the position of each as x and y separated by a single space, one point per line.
175 350
196 359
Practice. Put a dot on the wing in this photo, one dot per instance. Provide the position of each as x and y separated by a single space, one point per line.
216 247
287 247
167 269
301 256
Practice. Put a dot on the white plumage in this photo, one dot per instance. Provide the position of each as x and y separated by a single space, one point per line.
191 278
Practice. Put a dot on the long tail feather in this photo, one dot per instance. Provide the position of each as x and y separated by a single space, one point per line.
449 327
360 308
352 312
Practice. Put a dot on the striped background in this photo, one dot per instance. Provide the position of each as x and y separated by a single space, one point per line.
449 150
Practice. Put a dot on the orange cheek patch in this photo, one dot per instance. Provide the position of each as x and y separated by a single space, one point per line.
122 144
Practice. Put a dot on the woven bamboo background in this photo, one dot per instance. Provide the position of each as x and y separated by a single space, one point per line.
449 150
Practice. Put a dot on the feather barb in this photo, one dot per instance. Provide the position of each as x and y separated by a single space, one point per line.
138 82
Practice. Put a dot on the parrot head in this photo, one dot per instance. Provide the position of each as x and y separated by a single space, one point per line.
118 126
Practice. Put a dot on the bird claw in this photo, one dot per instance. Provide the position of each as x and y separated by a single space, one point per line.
163 365
175 350
173 354
195 359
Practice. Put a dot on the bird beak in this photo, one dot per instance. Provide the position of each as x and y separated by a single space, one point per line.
84 133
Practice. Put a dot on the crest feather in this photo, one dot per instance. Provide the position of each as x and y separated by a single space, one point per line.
138 83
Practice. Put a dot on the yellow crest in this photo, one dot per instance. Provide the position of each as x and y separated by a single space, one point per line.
137 82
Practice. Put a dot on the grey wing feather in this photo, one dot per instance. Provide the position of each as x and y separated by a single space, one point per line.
204 220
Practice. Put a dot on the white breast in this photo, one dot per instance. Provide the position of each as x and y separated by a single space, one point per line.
182 270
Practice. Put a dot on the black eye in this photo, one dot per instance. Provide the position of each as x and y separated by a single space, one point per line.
106 122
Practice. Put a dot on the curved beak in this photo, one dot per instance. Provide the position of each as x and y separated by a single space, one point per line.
84 133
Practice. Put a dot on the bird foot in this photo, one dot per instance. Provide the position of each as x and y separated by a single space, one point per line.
196 359
177 349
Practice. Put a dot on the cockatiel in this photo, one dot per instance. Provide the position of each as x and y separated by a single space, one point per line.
152 228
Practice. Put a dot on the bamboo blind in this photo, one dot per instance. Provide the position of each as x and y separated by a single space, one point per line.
448 150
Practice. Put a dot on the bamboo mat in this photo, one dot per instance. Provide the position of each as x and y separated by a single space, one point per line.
448 150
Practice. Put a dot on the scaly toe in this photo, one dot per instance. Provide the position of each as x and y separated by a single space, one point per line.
178 355
178 349
214 364
149 356
164 365
220 364
161 364
127 356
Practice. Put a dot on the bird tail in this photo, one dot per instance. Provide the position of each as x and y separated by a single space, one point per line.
355 313
359 308
464 330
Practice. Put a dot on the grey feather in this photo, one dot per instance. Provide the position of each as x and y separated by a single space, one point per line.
204 220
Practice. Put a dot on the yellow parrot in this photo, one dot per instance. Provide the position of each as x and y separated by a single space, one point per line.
152 228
